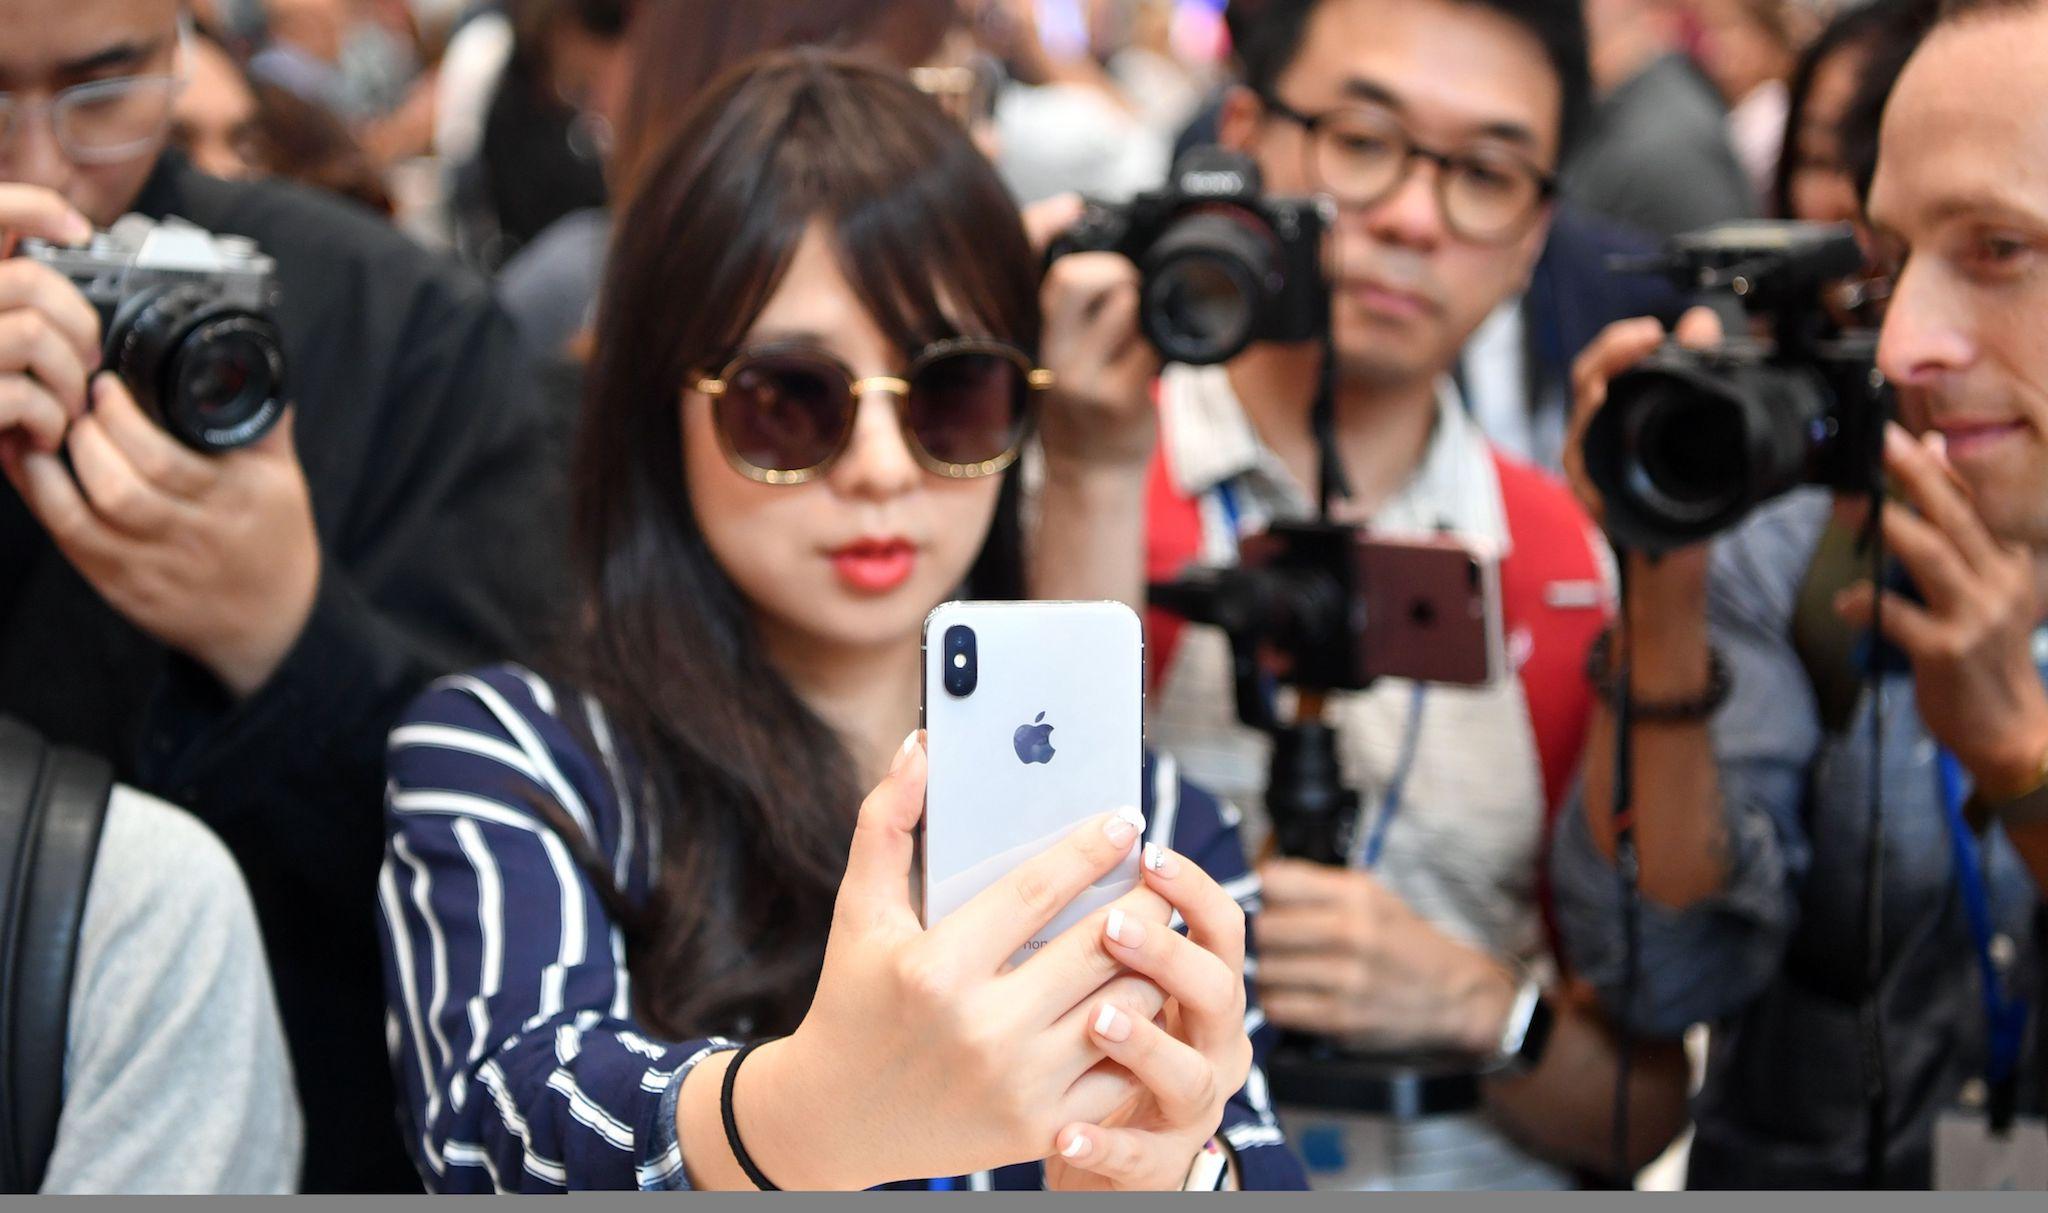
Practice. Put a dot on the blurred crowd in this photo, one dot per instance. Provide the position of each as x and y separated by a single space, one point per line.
500 130
508 236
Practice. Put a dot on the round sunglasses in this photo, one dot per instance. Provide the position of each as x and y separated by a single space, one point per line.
784 413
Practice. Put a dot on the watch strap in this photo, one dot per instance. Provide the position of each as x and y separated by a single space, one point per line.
1527 1032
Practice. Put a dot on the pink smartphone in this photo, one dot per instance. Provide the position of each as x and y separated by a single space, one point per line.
1432 611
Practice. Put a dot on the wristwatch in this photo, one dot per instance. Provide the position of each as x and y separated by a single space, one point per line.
1527 1033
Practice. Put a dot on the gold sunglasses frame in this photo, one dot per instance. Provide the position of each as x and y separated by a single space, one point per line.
1037 380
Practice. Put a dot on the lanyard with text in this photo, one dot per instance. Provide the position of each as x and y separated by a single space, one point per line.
2005 1013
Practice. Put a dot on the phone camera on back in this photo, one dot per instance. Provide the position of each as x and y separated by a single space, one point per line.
963 668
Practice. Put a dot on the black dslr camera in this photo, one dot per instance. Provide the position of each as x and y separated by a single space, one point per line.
185 318
1691 441
1222 267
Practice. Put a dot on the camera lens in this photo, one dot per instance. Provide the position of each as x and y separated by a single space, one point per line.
962 666
1199 307
1207 279
1685 447
1689 456
211 372
225 380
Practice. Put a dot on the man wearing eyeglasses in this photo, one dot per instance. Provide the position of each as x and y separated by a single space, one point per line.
1435 126
237 631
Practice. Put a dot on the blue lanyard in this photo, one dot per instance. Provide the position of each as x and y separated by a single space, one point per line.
2005 1015
1226 500
1390 805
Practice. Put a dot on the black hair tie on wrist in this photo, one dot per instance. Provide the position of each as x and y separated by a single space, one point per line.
732 1124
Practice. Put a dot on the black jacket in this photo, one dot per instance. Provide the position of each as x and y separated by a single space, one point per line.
435 494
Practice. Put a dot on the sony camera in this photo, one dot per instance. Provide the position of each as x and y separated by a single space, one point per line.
1221 267
1690 441
186 319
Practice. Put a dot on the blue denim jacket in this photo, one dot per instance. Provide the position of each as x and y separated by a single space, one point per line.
1774 961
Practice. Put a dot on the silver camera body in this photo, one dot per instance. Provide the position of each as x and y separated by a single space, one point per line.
187 321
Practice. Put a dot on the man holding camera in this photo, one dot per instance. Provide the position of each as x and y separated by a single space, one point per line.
1758 733
1435 126
237 629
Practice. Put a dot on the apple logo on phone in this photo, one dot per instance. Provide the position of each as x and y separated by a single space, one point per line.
1034 741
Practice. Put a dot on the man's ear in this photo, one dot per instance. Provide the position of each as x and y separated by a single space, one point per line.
1239 119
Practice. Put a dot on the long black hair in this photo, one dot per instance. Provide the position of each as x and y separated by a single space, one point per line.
1858 28
755 795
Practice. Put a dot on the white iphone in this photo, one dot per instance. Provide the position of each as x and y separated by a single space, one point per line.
1034 719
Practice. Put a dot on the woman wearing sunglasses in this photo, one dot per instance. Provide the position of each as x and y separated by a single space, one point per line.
641 928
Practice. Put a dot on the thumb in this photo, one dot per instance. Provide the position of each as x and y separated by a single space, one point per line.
884 842
282 437
1046 220
1699 328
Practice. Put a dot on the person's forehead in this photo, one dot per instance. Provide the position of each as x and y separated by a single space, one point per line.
1454 68
46 36
215 83
1966 129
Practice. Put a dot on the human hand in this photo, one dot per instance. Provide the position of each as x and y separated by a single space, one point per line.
1189 1061
1971 644
49 334
214 555
1340 955
1099 416
925 1051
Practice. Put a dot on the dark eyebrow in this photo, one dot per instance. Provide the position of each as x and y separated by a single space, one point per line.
119 55
810 338
1357 88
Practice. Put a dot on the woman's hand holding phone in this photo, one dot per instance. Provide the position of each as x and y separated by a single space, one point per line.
924 1053
1188 1061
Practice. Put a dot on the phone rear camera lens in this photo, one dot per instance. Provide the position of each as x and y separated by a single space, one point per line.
962 668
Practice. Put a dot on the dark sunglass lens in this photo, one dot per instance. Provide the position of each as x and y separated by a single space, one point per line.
784 414
968 408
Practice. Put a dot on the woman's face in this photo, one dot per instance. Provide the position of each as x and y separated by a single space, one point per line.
856 557
1737 52
1821 186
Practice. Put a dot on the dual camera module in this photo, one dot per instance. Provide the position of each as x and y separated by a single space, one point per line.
962 666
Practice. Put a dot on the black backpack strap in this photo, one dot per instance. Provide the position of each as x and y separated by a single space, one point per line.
52 805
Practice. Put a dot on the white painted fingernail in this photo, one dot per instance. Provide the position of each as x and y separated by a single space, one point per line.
903 755
1124 825
1075 1148
1106 1018
1115 930
1160 860
1112 1024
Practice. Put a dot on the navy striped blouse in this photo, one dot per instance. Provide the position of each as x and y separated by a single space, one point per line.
509 1008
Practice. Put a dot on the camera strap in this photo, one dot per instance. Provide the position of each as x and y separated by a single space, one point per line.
1331 483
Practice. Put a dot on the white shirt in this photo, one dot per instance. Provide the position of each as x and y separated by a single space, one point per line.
1464 850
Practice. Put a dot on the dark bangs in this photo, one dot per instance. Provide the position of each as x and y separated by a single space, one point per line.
927 236
754 793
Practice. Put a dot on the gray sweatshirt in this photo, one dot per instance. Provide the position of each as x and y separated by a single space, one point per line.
176 1075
